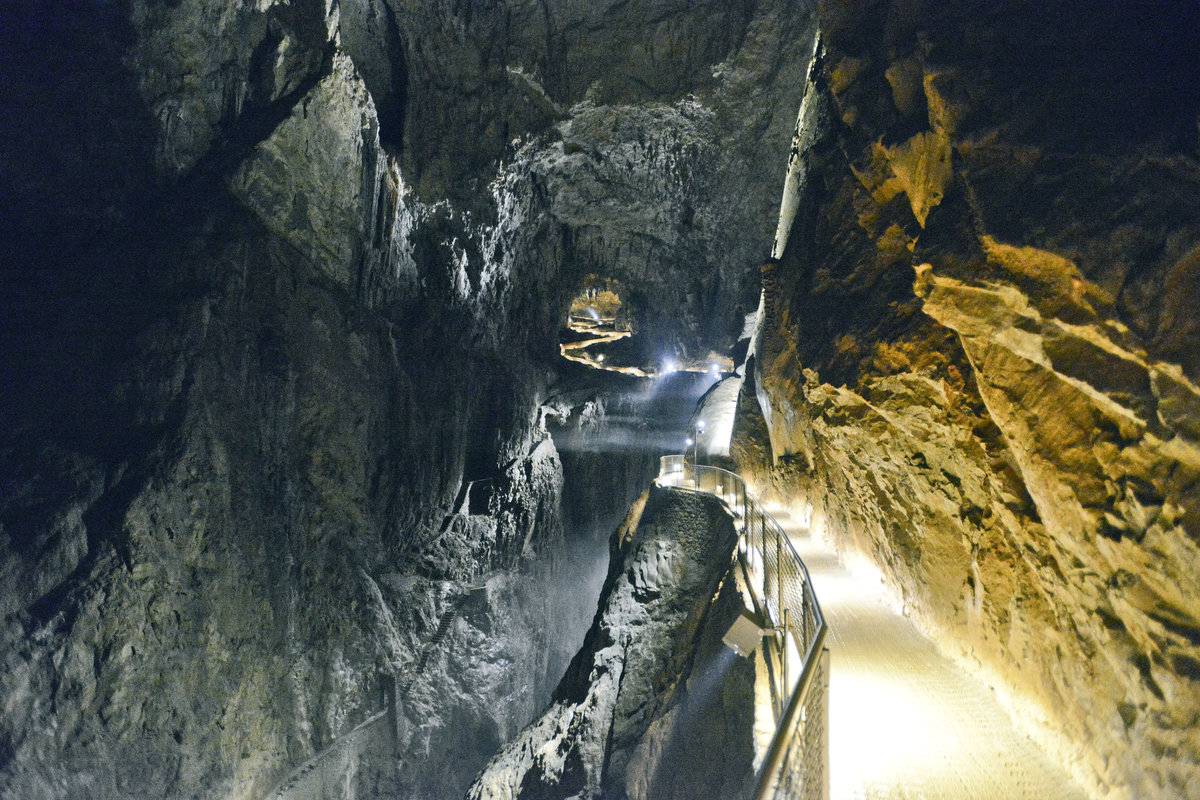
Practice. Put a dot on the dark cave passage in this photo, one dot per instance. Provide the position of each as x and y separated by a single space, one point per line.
301 305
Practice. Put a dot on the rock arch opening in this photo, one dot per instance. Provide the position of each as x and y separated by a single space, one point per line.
601 331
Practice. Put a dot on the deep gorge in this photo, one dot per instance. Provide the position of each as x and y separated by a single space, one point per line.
285 431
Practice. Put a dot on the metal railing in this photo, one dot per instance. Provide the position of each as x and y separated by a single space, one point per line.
329 767
796 764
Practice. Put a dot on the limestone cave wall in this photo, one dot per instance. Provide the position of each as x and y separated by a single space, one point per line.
281 288
977 356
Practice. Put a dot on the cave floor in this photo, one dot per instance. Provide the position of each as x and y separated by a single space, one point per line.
905 720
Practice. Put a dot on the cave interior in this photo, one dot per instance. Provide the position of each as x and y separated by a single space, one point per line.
338 339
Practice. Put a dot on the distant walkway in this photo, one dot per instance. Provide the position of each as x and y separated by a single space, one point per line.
906 723
718 409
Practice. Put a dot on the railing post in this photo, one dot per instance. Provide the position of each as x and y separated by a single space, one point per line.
825 723
804 616
779 569
787 685
762 538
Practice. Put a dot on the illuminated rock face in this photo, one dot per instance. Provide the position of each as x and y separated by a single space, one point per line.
978 361
654 706
281 290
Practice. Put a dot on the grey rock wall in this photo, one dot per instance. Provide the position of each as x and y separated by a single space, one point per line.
281 290
653 706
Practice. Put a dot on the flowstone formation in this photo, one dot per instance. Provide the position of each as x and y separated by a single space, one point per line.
654 706
977 354
282 285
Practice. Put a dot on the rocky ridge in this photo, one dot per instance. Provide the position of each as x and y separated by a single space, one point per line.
653 706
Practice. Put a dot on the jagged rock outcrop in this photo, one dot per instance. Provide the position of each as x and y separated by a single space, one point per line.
282 288
653 706
976 359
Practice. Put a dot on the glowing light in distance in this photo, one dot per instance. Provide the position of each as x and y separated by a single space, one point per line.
600 357
669 365
688 441
594 314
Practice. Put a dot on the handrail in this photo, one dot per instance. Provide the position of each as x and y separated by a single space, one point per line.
798 735
796 764
284 787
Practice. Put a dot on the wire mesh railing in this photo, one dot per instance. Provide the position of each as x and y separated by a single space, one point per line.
796 764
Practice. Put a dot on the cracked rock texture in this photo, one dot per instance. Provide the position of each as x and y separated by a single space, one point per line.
977 355
653 706
281 289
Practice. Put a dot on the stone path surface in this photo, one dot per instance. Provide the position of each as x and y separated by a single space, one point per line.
906 722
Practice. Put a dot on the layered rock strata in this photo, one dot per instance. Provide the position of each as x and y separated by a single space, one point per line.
976 355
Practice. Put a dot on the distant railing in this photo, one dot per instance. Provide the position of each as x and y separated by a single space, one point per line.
796 764
323 774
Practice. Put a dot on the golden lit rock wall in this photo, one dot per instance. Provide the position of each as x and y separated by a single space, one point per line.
979 355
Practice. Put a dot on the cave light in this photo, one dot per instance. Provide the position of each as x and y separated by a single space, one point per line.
745 635
902 729
595 313
885 726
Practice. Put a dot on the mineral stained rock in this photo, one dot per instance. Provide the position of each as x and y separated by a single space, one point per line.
976 358
653 706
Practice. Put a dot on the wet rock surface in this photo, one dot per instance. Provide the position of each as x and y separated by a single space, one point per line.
653 706
962 370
